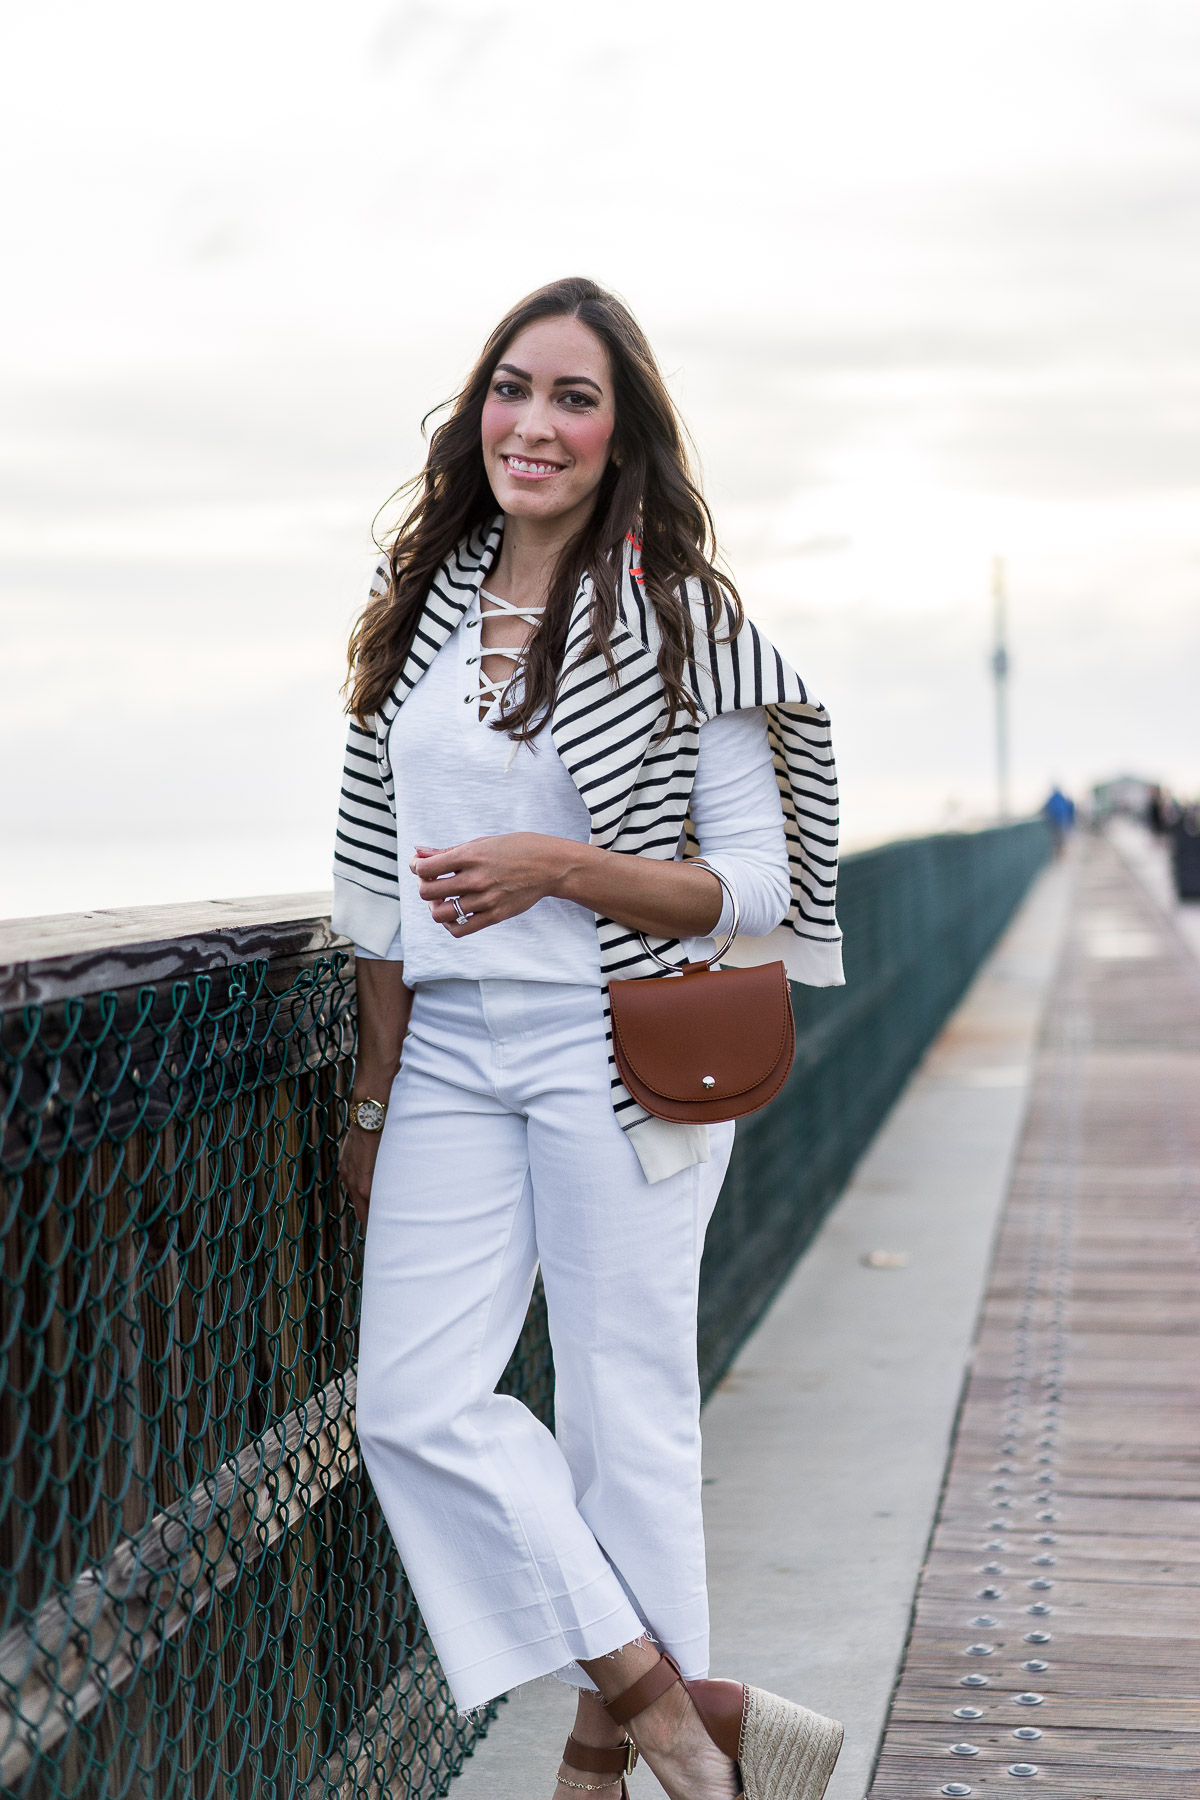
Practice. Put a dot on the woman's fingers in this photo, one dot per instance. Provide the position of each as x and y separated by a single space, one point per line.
429 865
481 911
440 873
475 920
438 893
462 882
444 912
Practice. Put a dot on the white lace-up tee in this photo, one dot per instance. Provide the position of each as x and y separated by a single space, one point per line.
457 779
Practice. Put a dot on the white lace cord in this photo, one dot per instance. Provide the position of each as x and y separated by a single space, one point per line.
492 692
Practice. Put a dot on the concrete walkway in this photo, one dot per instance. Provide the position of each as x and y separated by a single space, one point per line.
826 1445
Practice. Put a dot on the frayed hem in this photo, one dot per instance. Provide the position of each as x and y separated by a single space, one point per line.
481 1716
570 1672
574 1675
646 1637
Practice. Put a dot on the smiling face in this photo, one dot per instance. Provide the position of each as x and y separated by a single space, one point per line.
548 421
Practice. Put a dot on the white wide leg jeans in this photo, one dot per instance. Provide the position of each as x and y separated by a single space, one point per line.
528 1551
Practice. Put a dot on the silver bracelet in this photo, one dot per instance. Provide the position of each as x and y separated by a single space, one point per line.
719 952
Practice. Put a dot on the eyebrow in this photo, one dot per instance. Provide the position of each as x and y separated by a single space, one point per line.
559 380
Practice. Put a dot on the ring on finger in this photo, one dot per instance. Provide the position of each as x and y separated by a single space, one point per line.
462 916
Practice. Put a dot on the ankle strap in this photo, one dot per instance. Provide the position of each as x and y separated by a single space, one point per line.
616 1760
645 1692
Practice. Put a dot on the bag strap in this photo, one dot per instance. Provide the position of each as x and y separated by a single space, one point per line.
719 952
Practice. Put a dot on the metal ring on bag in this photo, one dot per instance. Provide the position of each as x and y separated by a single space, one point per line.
719 952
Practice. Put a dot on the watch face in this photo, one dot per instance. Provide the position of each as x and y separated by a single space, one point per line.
368 1114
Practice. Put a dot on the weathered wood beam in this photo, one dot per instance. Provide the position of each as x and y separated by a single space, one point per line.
112 1622
66 954
357 1767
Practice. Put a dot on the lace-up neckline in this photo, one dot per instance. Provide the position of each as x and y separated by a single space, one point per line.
491 692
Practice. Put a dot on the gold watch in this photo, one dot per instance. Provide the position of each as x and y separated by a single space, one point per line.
368 1115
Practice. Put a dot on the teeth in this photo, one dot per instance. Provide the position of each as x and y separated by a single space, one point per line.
531 468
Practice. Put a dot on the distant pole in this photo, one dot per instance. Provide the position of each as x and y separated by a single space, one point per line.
1000 677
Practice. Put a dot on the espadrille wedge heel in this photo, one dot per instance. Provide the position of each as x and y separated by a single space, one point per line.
787 1752
782 1751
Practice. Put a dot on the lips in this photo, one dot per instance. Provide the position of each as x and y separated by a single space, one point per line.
528 469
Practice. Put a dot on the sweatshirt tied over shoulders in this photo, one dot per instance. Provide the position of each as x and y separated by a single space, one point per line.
636 790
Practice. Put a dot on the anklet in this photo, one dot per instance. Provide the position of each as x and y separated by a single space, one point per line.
590 1787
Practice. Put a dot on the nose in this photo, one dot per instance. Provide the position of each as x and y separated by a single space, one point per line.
537 422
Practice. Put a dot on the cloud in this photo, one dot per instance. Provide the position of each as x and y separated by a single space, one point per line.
925 279
439 42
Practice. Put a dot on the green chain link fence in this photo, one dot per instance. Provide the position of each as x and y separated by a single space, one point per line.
199 1595
918 916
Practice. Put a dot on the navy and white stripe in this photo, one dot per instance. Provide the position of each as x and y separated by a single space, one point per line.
636 790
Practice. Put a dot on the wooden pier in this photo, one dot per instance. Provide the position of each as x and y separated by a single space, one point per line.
1056 1633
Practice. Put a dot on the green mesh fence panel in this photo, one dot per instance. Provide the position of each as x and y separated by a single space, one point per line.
198 1595
918 918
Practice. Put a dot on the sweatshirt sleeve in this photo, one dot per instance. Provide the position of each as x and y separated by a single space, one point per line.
393 953
366 890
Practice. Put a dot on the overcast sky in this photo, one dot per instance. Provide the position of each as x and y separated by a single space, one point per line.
925 279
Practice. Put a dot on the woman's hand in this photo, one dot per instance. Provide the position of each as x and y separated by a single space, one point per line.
356 1166
497 877
494 877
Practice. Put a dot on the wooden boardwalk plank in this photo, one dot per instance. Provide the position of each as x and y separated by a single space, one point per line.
1082 1711
1071 1511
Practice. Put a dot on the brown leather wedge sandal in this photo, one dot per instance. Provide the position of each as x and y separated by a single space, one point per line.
591 1759
782 1751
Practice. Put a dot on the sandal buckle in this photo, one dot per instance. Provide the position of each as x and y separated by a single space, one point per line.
631 1756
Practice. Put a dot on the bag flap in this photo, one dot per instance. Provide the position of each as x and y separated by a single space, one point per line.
731 1025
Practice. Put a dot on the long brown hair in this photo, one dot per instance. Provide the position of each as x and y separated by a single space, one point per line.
647 489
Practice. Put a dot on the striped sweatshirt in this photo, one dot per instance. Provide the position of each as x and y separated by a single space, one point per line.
636 789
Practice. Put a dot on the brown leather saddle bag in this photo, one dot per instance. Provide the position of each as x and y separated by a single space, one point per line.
705 1044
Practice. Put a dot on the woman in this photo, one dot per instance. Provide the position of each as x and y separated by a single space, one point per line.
557 709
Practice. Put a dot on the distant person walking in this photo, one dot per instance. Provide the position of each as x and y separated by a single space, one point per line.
1185 851
1161 811
1059 813
565 734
